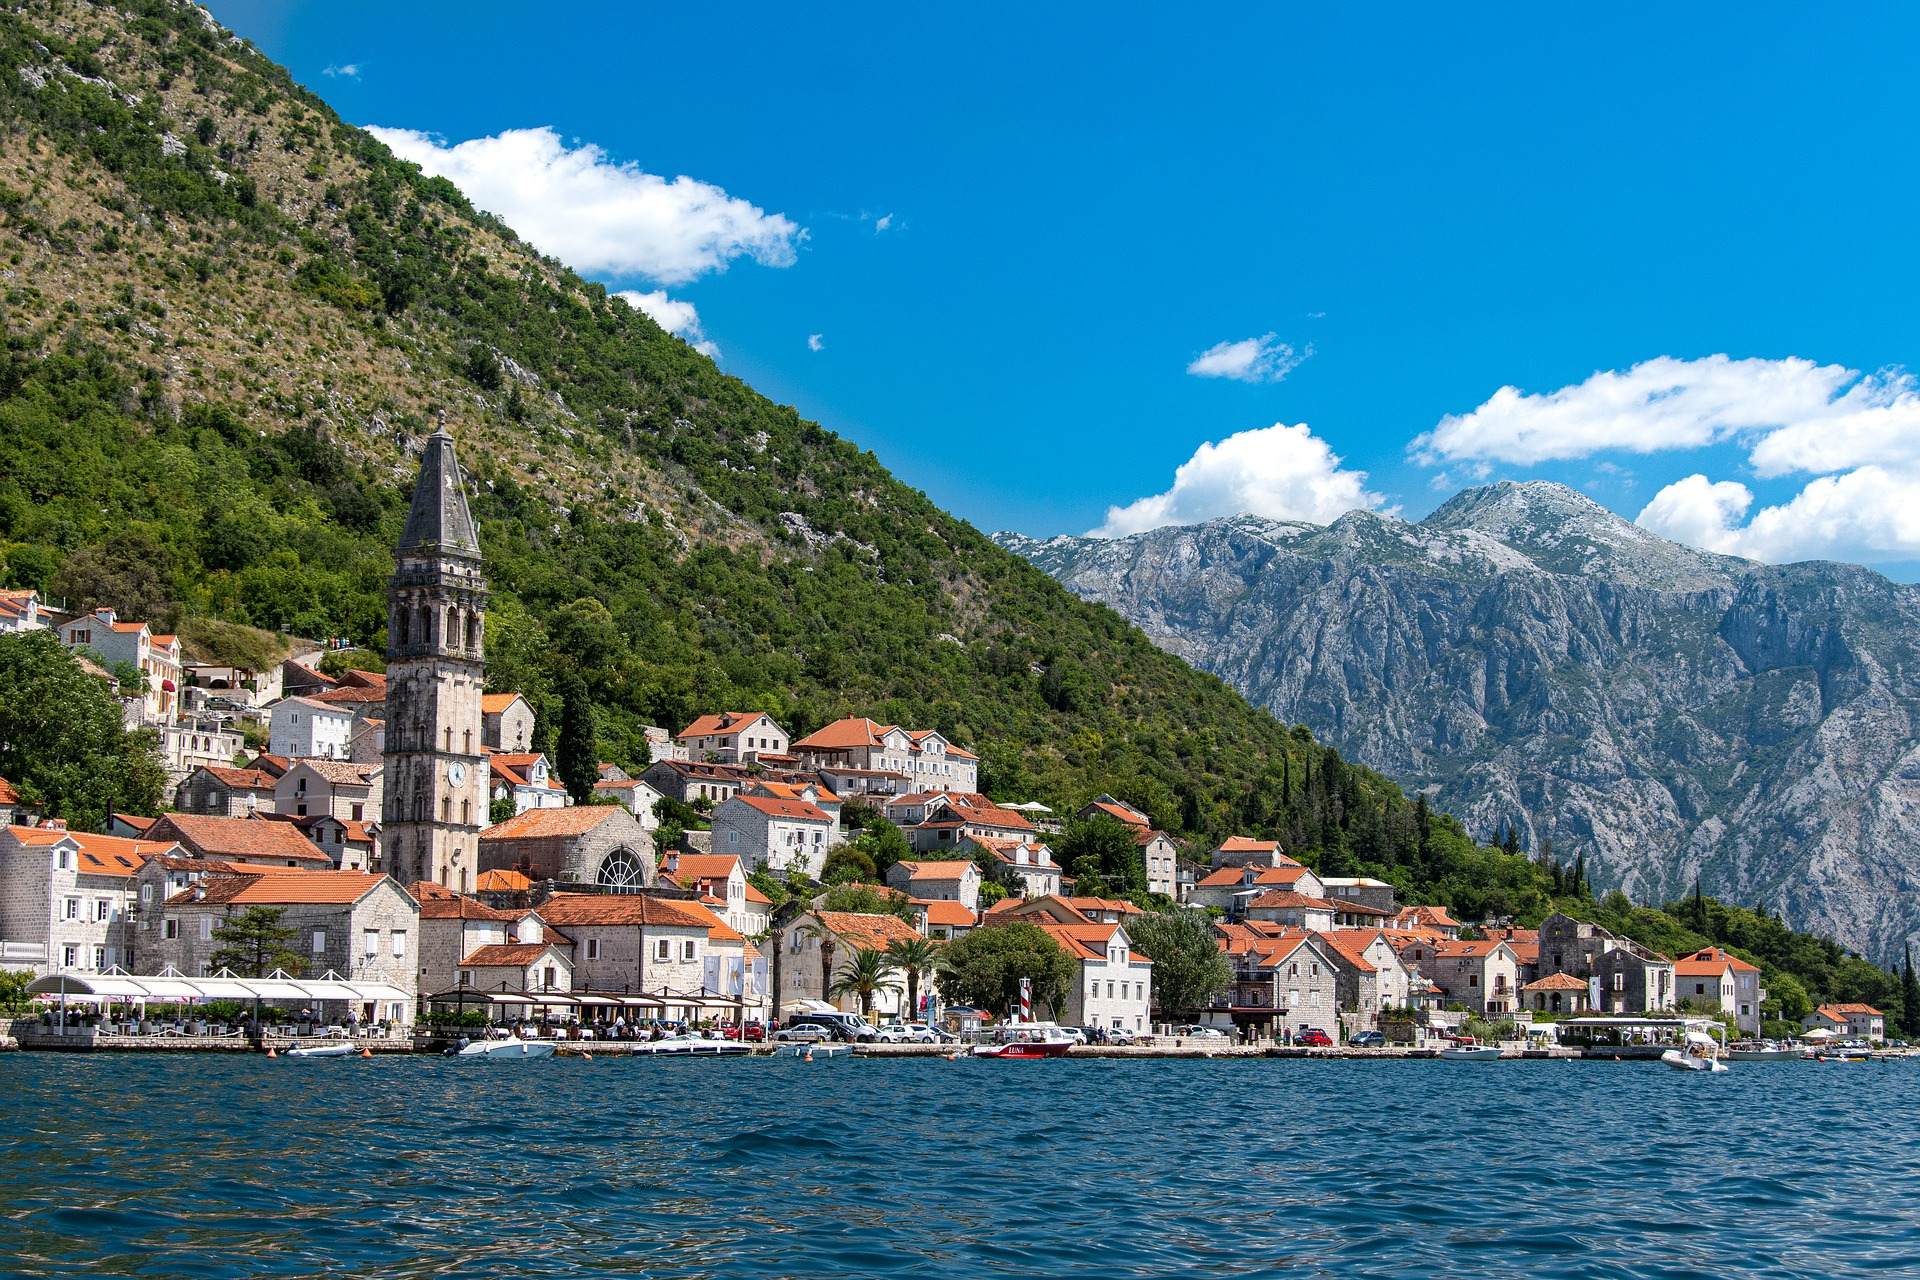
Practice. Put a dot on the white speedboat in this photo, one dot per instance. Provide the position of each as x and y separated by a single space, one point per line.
1471 1052
1765 1051
340 1049
507 1050
692 1046
1702 1053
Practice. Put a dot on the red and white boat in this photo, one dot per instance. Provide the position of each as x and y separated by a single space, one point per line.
1026 1040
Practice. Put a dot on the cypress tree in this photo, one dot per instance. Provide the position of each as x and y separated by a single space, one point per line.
1910 995
579 752
1699 908
1512 843
1580 889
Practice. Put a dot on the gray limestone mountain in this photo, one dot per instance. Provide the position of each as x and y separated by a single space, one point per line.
1532 658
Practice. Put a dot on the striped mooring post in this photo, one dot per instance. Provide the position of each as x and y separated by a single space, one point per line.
1026 999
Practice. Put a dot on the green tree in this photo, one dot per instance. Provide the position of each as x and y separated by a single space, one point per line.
500 810
1105 848
885 844
867 900
914 957
865 975
847 863
13 989
1189 968
579 755
983 968
254 943
62 742
1909 996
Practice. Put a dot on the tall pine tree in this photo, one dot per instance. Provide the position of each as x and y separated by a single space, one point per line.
579 747
1910 996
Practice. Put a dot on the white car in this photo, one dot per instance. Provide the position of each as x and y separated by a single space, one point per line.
921 1033
1200 1033
892 1033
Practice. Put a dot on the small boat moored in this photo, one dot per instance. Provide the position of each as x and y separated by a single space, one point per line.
1470 1052
338 1049
692 1046
505 1050
1026 1040
1701 1052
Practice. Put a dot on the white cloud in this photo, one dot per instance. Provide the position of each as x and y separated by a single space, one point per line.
674 315
882 223
1262 359
1867 514
350 70
814 343
1664 403
1279 471
598 215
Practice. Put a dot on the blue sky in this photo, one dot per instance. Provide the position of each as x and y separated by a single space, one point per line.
1079 205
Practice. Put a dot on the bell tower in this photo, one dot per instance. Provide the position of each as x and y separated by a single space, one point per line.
435 798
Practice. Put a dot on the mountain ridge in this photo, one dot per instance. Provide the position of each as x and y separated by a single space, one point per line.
1529 657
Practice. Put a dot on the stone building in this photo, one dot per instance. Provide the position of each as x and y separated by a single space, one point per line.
305 728
783 835
337 788
255 841
601 845
64 897
353 923
506 722
1114 987
1633 979
734 737
435 791
816 947
635 943
225 792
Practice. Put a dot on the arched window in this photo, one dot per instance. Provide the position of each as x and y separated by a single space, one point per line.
466 812
450 638
404 617
473 631
621 873
446 808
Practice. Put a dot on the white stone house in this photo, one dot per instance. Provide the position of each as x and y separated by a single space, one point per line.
527 779
1028 860
785 836
64 897
635 943
923 758
226 792
720 881
1114 989
453 926
20 611
1858 1021
157 657
957 880
1232 888
338 788
1369 973
1718 977
637 795
734 737
506 722
302 727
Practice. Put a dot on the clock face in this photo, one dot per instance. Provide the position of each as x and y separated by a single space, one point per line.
456 773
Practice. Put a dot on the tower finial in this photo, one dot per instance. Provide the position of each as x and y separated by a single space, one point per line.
442 430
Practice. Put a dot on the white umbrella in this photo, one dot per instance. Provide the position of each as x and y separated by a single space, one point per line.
1818 1033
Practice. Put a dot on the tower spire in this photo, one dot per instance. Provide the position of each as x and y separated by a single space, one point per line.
439 520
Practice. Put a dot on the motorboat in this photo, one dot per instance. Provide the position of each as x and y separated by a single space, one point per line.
811 1049
1470 1051
1701 1052
693 1046
1765 1051
1026 1040
338 1049
506 1050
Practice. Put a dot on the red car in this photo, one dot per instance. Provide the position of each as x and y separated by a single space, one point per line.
754 1031
1314 1038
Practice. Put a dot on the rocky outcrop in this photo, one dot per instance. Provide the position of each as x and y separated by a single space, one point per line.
1529 657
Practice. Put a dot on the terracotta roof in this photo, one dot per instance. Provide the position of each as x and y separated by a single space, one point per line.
792 791
438 903
1524 952
575 820
1472 949
312 704
928 870
272 765
501 880
727 724
281 887
754 895
979 815
99 855
1351 946
1288 898
1247 844
347 695
851 731
694 867
1859 1010
1709 960
139 822
775 807
506 955
1147 835
7 794
212 836
244 779
619 909
1117 812
866 932
492 704
1428 917
1084 905
339 772
945 911
1228 877
718 930
1556 982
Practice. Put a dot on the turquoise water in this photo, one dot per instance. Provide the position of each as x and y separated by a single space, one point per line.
173 1165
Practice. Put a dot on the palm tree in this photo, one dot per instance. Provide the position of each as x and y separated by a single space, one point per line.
867 973
915 956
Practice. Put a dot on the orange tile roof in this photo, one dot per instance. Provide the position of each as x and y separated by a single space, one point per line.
692 867
281 887
1711 960
1277 898
1228 877
492 704
139 822
1467 949
1084 905
718 930
918 869
792 791
774 807
1861 1010
619 909
1114 811
866 932
946 912
439 903
502 880
506 955
1247 844
212 836
727 724
1429 917
7 794
574 820
842 734
346 695
1556 982
1351 945
347 773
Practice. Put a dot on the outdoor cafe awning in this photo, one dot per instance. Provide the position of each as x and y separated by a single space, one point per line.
171 985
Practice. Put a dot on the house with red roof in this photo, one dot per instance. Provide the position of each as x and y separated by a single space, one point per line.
226 791
1114 988
1714 976
1284 981
733 737
11 808
819 945
595 844
67 898
1368 976
944 918
1231 888
358 924
253 841
1860 1021
1556 993
342 789
956 880
20 611
1483 974
921 759
528 780
953 820
639 796
1026 860
155 656
506 722
786 834
719 880
1245 851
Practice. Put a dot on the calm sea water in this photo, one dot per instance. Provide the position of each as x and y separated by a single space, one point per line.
161 1165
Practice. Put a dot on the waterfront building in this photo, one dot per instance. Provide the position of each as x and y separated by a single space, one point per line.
1369 976
435 797
720 882
1482 974
1114 988
635 942
1284 981
1715 976
1556 993
65 897
819 944
1633 979
1860 1021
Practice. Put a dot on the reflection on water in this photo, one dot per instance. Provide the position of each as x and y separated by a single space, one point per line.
177 1165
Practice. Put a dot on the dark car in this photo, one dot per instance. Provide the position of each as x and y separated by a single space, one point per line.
1314 1038
1368 1040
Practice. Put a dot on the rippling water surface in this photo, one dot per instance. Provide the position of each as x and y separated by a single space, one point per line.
176 1165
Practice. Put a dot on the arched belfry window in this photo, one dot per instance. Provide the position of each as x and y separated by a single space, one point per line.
404 616
473 631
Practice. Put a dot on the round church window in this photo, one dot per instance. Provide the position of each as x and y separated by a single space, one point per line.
621 873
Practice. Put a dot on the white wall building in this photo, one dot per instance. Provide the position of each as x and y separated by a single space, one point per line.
304 727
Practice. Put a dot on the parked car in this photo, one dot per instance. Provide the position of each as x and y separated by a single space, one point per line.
809 1033
1314 1038
850 1027
1076 1034
1368 1040
1117 1035
921 1033
890 1033
1200 1033
752 1031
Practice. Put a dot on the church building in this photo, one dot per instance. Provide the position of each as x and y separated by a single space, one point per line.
436 770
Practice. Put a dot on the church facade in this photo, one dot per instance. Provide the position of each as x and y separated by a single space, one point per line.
435 800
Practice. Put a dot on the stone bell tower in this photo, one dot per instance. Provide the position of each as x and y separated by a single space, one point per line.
436 768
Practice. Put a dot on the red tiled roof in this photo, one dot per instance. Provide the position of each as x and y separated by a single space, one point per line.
1556 982
775 807
575 820
212 836
864 931
502 880
1228 877
244 779
618 909
139 822
1710 960
348 695
281 887
1247 844
946 912
506 955
929 870
438 903
1120 814
727 724
7 794
1287 898
842 734
1351 945
492 704
792 791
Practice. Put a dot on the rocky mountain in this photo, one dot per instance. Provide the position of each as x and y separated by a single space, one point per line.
1531 658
